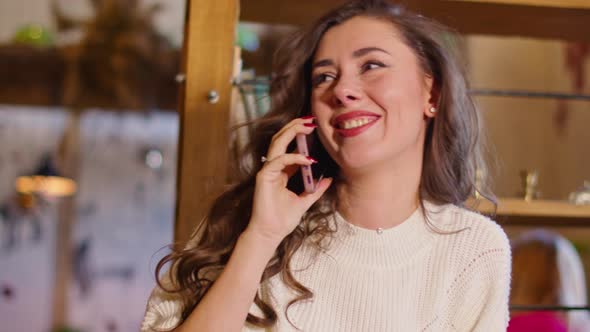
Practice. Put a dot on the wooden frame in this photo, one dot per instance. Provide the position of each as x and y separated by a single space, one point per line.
203 140
208 62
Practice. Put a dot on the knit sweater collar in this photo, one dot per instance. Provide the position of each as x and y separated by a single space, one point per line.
365 248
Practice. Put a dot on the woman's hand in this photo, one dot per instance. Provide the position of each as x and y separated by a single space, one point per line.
276 210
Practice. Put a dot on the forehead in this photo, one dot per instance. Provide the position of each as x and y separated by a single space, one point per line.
356 33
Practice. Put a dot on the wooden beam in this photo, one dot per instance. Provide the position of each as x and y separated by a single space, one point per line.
583 4
566 20
285 11
511 20
203 142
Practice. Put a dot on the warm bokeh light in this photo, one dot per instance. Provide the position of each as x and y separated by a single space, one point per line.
54 186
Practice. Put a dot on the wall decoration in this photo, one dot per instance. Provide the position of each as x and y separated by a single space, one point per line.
117 239
575 55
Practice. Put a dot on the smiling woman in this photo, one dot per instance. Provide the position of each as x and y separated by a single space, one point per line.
368 81
384 243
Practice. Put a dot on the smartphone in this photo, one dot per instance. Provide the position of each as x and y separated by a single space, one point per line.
308 182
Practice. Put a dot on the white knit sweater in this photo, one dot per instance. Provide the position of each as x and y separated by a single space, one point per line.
407 278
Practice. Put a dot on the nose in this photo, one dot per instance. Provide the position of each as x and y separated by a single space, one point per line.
345 93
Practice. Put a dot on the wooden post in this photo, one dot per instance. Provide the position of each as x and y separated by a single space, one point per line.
69 157
204 130
68 161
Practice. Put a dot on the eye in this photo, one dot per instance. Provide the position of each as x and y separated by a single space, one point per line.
370 65
321 78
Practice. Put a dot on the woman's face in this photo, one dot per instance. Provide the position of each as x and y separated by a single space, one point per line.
369 95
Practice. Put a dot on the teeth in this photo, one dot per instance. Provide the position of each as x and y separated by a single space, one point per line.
350 124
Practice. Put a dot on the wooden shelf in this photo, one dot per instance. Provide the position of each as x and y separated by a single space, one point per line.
564 19
35 76
536 208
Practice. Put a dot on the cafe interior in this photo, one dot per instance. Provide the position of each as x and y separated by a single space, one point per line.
105 161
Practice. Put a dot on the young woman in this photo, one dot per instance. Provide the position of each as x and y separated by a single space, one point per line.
384 243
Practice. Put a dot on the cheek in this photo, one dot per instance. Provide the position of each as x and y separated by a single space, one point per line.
385 90
320 109
401 102
317 102
400 94
388 96
322 115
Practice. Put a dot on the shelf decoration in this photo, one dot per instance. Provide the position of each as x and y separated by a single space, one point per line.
575 62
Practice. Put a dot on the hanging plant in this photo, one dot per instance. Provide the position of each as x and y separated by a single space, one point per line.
121 57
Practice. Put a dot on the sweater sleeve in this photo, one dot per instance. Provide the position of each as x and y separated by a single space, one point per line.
163 309
163 312
480 294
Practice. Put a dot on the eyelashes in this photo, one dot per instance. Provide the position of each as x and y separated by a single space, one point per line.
370 65
321 78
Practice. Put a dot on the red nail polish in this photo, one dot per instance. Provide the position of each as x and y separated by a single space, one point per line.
310 158
307 117
312 125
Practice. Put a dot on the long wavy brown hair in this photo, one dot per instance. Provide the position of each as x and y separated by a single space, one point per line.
451 156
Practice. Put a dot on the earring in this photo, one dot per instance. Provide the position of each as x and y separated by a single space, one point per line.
433 110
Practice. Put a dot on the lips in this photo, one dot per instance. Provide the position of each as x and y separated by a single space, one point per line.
354 123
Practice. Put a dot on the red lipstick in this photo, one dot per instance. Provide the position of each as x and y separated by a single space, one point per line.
339 120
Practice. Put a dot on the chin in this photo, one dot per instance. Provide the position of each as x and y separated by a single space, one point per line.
355 163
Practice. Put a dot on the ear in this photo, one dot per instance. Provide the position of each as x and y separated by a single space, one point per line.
431 98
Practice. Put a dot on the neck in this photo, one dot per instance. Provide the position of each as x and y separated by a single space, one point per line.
380 199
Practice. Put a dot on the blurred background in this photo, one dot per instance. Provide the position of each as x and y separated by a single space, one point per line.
90 97
87 92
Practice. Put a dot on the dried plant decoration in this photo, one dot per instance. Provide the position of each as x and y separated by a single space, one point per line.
120 58
575 57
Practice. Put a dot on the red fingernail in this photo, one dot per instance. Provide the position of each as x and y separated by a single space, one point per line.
312 125
307 117
310 158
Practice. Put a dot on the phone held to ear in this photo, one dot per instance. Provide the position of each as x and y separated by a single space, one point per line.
308 182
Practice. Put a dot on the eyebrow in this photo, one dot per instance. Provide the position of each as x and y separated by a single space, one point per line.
356 54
